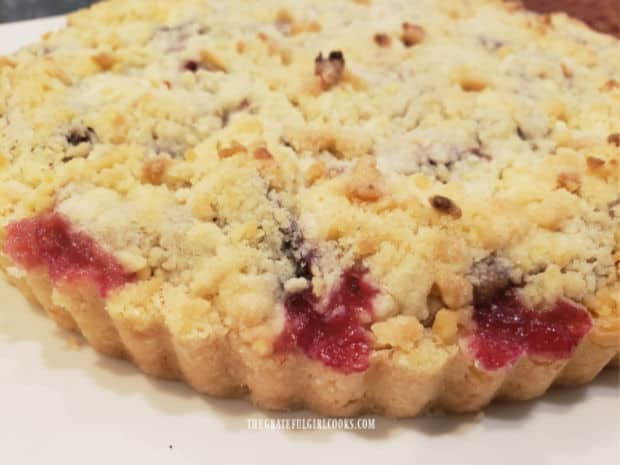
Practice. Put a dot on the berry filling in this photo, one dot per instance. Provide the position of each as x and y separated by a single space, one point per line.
507 329
191 65
336 331
50 240
292 248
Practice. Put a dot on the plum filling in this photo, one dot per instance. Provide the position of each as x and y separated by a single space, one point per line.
49 240
191 65
335 331
507 328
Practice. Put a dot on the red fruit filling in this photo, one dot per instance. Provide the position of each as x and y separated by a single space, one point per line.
49 240
334 332
507 328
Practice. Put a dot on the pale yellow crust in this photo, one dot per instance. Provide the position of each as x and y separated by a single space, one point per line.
397 384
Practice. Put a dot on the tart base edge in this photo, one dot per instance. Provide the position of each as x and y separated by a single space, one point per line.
397 384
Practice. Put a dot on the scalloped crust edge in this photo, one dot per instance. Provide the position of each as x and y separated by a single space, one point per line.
397 384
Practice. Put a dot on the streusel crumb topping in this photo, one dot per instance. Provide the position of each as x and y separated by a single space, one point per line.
242 163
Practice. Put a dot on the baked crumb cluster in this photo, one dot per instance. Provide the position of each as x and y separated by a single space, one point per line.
339 178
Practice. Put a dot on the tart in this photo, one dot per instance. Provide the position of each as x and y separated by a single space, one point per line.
350 206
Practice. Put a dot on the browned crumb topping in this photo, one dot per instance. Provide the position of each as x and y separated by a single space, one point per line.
289 26
382 39
301 27
233 149
614 139
211 62
472 84
262 153
610 85
445 205
445 326
595 163
329 69
566 71
154 170
569 181
284 18
4 61
104 60
412 34
513 5
315 172
366 182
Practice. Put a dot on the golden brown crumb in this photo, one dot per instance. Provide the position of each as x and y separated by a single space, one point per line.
412 34
445 205
445 326
513 5
545 19
269 168
283 16
315 172
382 40
154 170
595 163
262 153
233 149
614 139
329 69
301 27
455 291
569 181
211 62
472 84
367 246
610 85
104 60
566 71
287 24
366 182
4 61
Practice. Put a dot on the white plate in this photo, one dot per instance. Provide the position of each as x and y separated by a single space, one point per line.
62 404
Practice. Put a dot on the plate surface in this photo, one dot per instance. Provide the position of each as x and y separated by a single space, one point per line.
61 402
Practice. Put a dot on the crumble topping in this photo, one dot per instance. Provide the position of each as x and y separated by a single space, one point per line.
479 155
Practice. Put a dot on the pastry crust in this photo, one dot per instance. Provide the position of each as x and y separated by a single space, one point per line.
180 190
396 384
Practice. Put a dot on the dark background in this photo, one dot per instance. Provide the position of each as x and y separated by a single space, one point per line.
15 10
